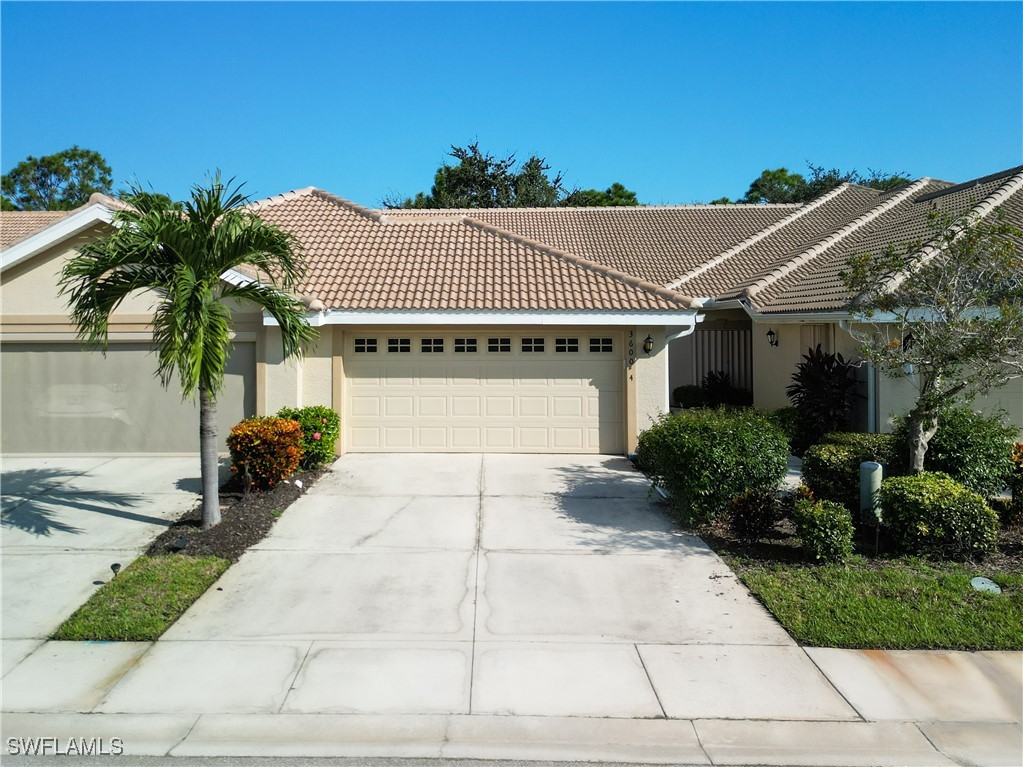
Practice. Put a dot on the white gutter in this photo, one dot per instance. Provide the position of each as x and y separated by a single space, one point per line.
685 319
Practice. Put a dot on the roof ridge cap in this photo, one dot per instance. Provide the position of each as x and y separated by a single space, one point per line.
757 237
603 208
277 199
372 215
827 243
581 262
978 212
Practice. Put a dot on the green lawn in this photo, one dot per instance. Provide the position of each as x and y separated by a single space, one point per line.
902 604
143 600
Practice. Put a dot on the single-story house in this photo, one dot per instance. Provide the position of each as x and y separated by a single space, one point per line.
506 330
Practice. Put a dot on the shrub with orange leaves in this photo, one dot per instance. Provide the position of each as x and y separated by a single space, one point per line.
271 449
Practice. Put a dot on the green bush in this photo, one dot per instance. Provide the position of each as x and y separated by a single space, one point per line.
825 529
270 448
688 396
831 469
321 428
752 515
970 447
786 420
704 458
932 514
822 392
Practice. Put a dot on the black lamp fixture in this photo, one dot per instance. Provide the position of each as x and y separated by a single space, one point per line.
648 344
772 337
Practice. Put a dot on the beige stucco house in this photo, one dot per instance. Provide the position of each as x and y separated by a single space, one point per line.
513 330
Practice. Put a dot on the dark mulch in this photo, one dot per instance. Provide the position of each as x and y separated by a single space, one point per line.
245 521
783 547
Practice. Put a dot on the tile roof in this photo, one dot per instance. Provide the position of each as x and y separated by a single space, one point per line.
815 284
16 225
358 259
657 244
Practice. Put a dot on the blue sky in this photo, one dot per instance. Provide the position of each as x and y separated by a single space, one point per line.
680 102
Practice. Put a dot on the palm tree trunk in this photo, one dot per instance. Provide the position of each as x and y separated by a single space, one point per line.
208 459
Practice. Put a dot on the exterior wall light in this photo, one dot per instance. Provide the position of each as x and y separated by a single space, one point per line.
648 344
772 337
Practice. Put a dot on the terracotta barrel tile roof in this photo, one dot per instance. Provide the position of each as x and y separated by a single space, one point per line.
359 260
16 225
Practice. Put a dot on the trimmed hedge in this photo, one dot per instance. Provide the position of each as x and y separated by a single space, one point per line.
831 469
932 514
271 449
321 428
825 529
705 458
970 447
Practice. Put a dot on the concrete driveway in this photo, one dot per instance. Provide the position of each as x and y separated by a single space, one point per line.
498 584
66 519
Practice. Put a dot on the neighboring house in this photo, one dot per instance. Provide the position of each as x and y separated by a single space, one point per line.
512 330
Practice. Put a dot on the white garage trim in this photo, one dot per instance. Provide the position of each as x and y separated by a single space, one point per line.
686 319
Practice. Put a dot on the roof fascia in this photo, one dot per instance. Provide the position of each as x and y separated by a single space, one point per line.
680 318
55 233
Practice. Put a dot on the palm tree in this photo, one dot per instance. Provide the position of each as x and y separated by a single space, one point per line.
179 252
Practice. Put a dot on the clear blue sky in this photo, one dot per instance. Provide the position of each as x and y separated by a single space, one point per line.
680 102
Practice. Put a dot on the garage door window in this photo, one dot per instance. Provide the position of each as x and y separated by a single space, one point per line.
566 344
600 345
532 345
364 345
498 344
465 345
399 344
428 345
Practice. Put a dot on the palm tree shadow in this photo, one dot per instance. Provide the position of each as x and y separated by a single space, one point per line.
617 510
38 501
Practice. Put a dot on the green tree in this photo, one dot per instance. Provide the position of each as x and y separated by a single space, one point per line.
481 180
60 181
615 196
179 255
776 186
949 314
781 186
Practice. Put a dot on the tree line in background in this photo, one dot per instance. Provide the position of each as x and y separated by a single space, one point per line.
65 180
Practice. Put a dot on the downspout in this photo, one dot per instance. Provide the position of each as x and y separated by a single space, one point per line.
687 330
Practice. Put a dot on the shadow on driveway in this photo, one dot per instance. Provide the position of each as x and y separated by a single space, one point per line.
41 497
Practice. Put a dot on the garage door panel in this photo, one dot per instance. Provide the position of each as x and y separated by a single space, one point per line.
496 401
61 398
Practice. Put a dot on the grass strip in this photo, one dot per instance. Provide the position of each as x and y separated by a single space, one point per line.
905 605
143 600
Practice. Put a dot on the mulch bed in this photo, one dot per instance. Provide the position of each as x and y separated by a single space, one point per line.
784 547
245 521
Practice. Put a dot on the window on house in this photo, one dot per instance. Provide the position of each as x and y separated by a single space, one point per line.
532 344
465 344
601 345
566 344
498 344
365 345
432 345
399 344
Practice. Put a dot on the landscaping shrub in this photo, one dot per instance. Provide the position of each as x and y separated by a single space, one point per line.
1016 484
704 458
688 396
932 514
718 390
752 515
970 447
321 428
831 469
821 391
825 529
271 449
785 419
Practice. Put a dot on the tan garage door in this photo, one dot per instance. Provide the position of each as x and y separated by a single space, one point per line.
58 398
492 391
